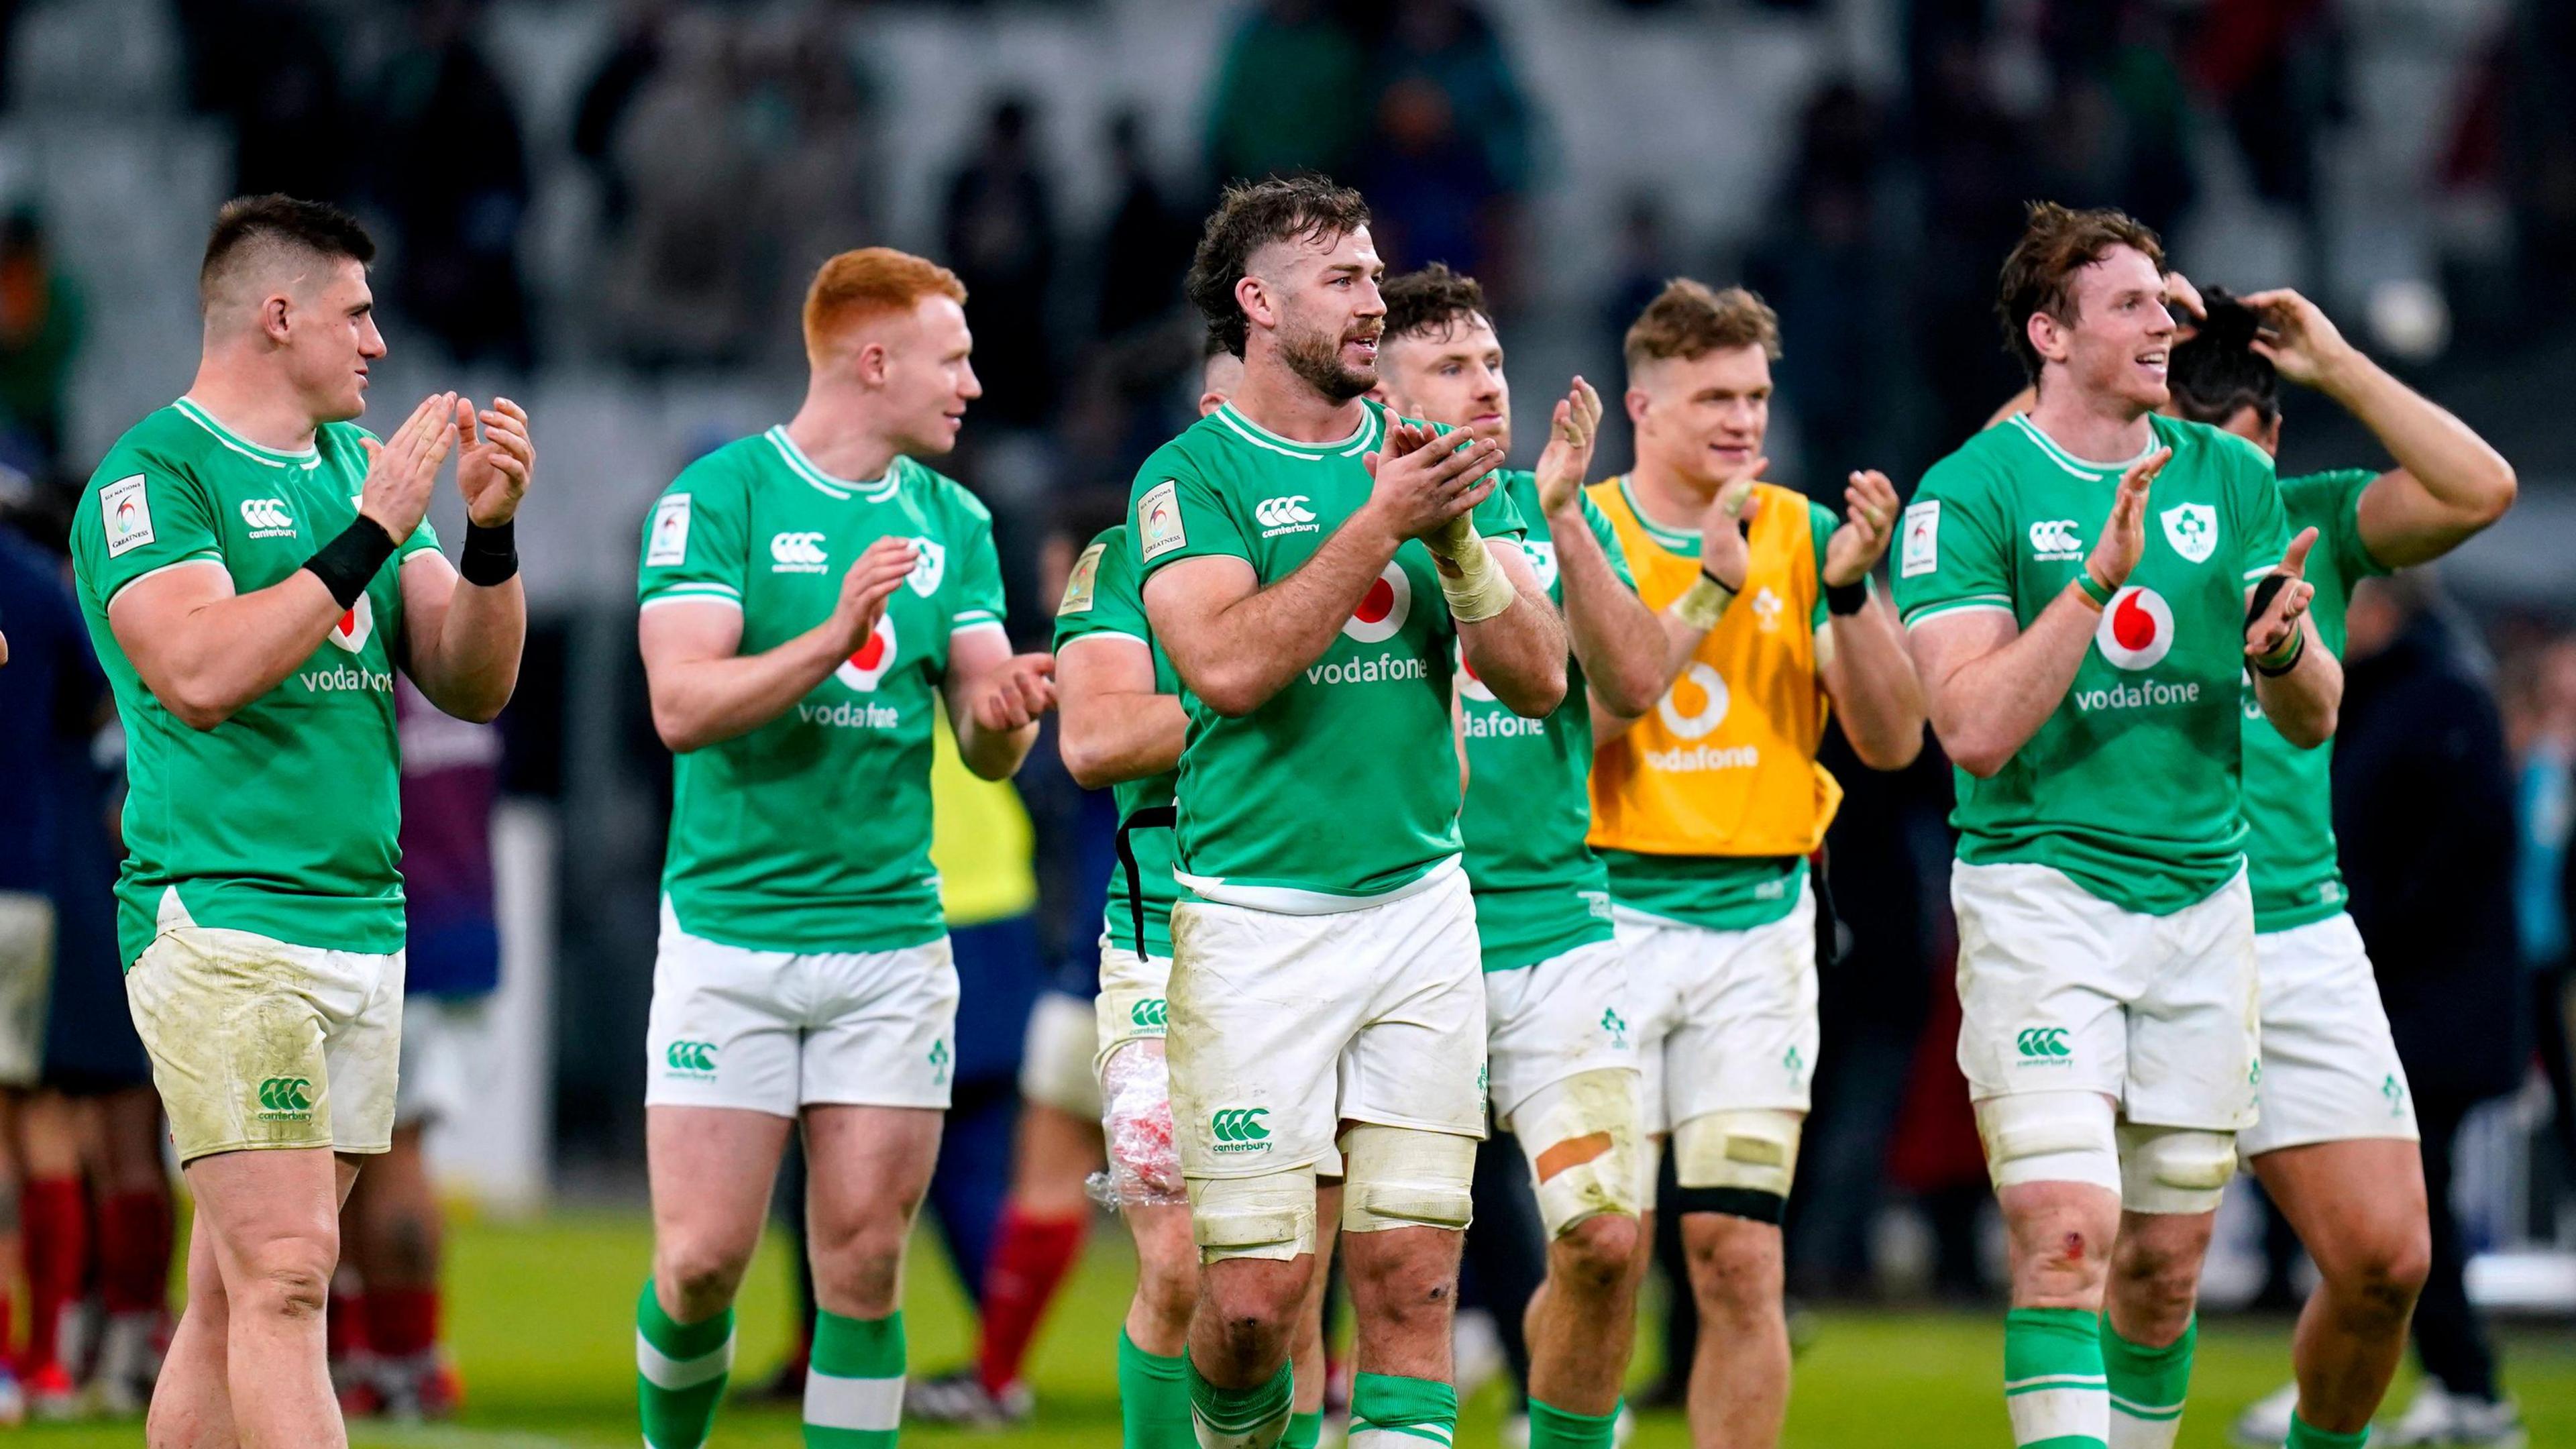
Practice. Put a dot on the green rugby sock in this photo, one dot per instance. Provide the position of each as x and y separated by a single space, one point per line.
680 1373
1253 1418
2304 1435
2053 1381
1305 1431
1555 1428
1389 1412
1153 1398
2147 1386
854 1386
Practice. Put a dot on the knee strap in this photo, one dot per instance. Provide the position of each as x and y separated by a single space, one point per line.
2174 1169
1404 1177
1270 1216
1603 1103
1737 1163
2050 1137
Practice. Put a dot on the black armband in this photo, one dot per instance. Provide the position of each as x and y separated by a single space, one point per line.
345 564
1847 599
491 555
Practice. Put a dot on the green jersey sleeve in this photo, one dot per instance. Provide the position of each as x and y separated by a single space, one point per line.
979 582
1821 523
1607 535
2262 525
1953 547
2332 501
1100 594
139 516
694 544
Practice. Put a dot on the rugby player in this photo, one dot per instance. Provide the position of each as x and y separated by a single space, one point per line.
254 568
2335 1139
1707 800
2085 586
1564 1080
1307 555
810 596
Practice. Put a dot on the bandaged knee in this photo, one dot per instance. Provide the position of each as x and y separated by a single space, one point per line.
1737 1163
1479 589
1403 1177
1269 1216
2174 1169
1595 1111
2050 1137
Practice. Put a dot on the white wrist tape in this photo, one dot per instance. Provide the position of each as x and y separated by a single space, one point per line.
1703 603
1481 589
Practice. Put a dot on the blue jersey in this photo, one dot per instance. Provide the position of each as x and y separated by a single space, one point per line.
48 699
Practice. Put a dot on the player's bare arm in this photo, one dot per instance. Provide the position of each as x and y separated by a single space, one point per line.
1111 724
205 651
1235 643
1614 635
1725 556
1520 652
704 691
463 633
1991 686
994 700
2297 680
1862 657
2448 483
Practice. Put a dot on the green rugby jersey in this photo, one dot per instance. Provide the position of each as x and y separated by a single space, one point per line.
1101 597
1719 892
1540 891
2289 792
812 832
1343 785
2132 786
283 820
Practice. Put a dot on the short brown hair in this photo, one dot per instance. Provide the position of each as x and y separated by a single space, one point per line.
871 282
1433 299
2039 276
1251 215
1690 320
248 225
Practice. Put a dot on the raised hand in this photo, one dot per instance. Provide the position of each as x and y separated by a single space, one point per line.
1723 553
1014 693
2270 631
1571 431
498 458
1869 522
2124 534
2301 341
880 570
402 468
2182 299
1422 490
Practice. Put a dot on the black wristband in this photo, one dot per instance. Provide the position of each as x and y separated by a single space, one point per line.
491 555
1847 599
2298 648
345 564
1714 579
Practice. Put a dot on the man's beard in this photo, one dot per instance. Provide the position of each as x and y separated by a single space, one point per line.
1317 358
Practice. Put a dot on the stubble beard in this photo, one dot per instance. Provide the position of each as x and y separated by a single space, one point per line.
1316 357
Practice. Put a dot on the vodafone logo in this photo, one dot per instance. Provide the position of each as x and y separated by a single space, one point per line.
1383 610
2137 631
862 670
356 626
1711 688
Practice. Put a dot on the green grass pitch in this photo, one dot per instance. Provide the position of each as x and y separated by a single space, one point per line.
541 1320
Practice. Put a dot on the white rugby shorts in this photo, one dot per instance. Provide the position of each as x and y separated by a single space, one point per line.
1725 1020
2330 1068
1564 1016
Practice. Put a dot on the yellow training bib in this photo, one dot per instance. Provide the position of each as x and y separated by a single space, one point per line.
1725 764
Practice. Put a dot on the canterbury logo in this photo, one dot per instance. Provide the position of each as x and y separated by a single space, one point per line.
1283 512
2055 538
797 552
1152 1011
2044 1042
266 516
286 1096
691 1056
1240 1129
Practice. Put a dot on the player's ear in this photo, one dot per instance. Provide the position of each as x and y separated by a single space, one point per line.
870 362
1636 401
276 317
1253 296
2047 336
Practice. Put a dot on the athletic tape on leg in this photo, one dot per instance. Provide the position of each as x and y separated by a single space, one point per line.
1270 1216
1738 1163
2050 1137
2174 1169
1599 1105
1403 1177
